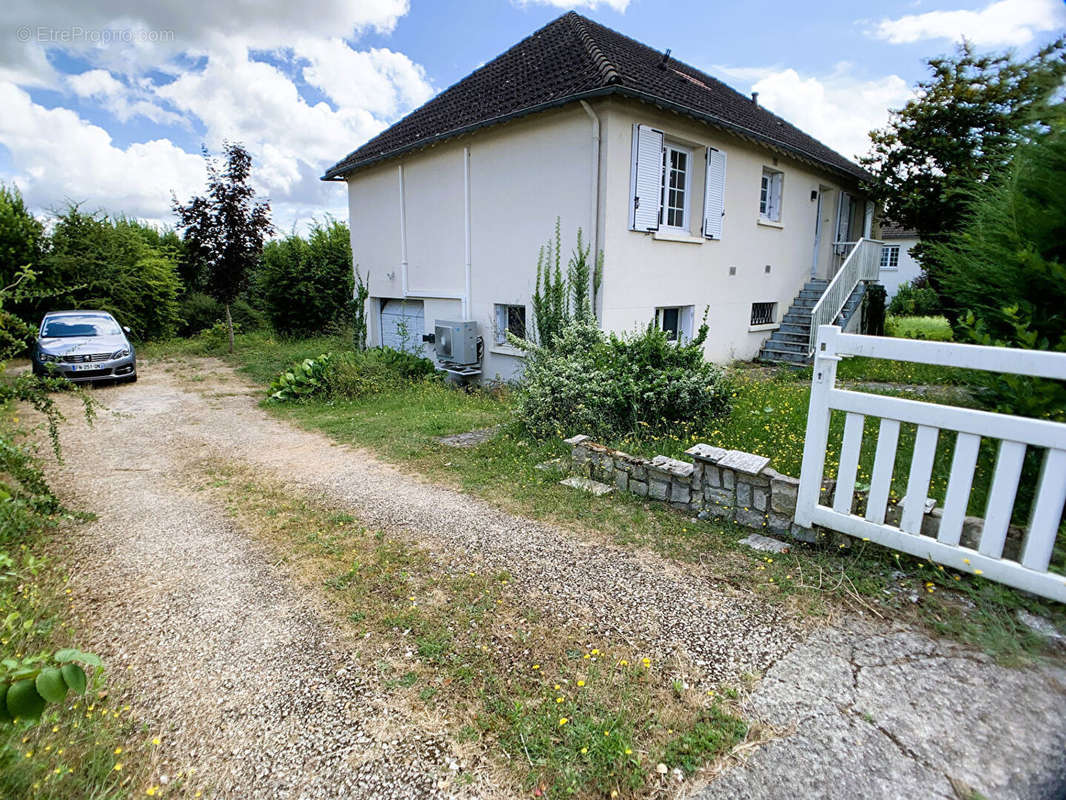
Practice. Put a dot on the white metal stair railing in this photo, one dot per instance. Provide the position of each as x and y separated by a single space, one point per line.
1014 434
862 264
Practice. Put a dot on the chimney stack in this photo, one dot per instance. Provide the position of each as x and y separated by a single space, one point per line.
755 98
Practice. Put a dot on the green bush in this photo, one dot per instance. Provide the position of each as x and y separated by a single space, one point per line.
200 312
609 385
350 375
98 262
914 301
934 329
306 285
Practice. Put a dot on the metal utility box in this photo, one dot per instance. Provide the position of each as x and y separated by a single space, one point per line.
455 342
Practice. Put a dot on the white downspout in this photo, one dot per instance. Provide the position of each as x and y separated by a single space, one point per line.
403 233
595 183
466 206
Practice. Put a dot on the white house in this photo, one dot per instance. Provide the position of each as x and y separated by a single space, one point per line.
698 197
897 265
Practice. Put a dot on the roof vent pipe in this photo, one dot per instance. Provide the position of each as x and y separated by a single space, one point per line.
665 58
755 98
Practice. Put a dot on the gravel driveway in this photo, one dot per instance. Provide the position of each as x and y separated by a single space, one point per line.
253 686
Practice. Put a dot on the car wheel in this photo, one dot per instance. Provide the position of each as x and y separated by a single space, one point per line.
132 378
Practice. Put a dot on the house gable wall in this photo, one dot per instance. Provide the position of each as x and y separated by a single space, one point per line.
522 176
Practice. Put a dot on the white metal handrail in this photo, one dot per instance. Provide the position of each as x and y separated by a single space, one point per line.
862 264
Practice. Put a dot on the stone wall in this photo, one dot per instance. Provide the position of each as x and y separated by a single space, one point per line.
719 483
739 486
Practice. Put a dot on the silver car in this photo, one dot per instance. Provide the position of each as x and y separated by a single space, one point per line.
84 346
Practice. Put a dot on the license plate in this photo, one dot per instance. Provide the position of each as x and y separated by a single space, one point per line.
83 367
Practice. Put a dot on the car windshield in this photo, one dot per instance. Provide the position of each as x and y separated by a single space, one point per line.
87 325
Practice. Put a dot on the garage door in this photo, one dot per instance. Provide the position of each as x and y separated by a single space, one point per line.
398 316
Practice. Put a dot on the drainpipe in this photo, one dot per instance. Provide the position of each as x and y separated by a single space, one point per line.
403 232
466 206
594 210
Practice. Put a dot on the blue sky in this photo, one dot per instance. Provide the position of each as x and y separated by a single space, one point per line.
107 102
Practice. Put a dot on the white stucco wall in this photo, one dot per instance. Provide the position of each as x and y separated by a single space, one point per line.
909 268
644 271
524 174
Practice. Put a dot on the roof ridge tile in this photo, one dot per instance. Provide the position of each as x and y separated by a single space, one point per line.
608 73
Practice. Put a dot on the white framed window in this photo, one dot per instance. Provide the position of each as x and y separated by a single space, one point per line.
510 318
677 185
890 256
676 321
770 188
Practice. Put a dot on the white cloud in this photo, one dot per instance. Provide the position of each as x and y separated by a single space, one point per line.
229 92
126 35
118 99
238 98
837 109
1002 23
60 157
615 5
379 81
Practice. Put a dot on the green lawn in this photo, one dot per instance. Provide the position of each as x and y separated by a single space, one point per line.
934 329
769 418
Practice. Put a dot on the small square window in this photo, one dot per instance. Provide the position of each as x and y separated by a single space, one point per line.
510 318
676 321
763 313
890 256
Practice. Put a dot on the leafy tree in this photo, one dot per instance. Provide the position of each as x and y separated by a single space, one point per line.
225 229
961 128
97 262
22 237
307 284
1007 267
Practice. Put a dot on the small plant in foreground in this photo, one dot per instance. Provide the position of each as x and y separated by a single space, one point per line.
29 684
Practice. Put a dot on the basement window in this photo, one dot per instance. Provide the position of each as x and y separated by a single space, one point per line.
510 318
763 313
676 322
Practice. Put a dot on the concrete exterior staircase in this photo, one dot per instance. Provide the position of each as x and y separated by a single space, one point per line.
790 342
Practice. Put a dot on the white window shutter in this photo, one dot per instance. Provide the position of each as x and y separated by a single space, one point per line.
776 182
843 217
647 179
714 194
686 324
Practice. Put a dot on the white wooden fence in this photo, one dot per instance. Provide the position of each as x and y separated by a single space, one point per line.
1015 435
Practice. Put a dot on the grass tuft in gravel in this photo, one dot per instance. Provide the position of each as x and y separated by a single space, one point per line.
523 693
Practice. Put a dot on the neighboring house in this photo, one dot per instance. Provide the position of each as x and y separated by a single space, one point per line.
897 264
698 197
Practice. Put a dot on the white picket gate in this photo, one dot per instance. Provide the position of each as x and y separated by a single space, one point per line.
1015 435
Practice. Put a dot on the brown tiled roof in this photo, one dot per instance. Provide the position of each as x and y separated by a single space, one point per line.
574 58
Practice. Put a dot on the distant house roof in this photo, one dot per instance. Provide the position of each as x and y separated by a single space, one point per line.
574 58
890 230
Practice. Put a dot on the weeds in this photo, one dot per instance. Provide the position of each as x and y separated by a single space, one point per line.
567 718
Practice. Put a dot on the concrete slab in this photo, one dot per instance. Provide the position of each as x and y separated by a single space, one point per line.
587 485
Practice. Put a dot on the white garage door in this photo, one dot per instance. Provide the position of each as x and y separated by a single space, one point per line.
398 316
